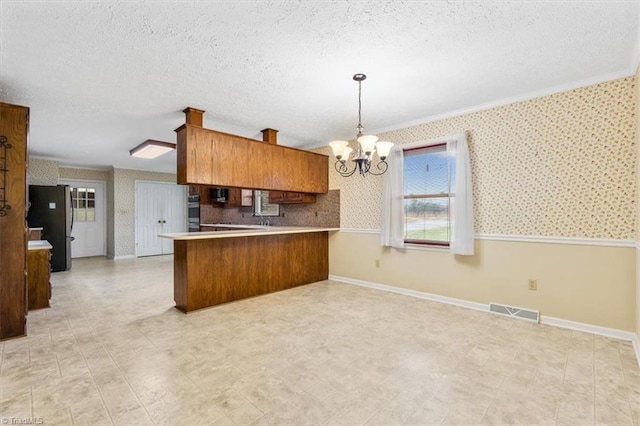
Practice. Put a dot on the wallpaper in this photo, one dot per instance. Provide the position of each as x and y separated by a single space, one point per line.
124 206
561 165
43 172
84 174
638 184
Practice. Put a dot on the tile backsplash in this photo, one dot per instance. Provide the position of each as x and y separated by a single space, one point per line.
325 212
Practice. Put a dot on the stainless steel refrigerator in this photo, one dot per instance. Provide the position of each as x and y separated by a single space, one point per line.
50 208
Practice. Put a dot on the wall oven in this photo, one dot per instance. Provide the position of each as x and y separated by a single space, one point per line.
193 210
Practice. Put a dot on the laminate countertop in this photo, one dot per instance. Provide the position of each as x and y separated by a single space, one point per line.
244 231
39 245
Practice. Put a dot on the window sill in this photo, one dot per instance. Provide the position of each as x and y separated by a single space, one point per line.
426 247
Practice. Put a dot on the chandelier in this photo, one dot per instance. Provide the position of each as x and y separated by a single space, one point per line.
368 145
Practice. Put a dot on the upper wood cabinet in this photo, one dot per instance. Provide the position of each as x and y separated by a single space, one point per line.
209 157
239 197
282 197
14 127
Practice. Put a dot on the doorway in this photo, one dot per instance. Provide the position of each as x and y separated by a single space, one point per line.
161 208
89 225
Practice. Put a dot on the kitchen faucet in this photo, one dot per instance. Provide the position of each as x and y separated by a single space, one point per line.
263 221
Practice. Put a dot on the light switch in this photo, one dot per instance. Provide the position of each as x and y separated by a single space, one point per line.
52 205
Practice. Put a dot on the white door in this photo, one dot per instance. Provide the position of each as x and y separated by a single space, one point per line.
160 208
174 214
88 218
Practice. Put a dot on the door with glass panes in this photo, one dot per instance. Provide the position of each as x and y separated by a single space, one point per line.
88 230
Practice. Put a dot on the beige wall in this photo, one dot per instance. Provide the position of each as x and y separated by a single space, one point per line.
557 166
588 284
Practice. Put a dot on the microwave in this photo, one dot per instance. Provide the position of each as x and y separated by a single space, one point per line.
220 195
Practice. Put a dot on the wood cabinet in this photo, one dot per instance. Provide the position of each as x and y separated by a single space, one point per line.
204 192
209 157
38 277
14 126
282 197
35 234
239 197
207 271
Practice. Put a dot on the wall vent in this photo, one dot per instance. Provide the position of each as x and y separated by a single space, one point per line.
514 312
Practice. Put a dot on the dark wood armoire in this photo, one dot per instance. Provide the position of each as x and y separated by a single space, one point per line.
14 128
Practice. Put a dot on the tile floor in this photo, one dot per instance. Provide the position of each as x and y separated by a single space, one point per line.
113 350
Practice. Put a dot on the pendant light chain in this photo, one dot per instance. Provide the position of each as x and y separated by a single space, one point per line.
360 108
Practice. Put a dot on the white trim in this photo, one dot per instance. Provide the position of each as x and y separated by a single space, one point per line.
556 322
636 347
587 328
359 231
527 239
413 293
124 256
629 72
164 172
98 169
637 245
80 180
508 101
557 240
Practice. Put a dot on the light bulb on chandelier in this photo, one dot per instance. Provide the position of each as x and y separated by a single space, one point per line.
368 146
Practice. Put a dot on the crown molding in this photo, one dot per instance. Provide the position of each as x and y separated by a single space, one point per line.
510 100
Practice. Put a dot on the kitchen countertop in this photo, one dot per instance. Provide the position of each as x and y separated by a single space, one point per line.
243 231
39 245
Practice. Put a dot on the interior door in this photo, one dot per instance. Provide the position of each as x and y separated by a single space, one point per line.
89 228
174 213
160 208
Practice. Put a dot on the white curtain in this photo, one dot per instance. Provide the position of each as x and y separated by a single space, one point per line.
392 227
392 231
462 220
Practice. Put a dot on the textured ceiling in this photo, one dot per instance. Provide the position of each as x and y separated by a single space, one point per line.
101 77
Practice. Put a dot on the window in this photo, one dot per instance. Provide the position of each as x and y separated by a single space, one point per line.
428 201
84 204
261 205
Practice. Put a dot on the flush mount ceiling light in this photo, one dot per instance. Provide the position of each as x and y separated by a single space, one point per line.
368 145
152 149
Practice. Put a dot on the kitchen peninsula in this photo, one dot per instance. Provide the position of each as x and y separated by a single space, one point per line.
216 267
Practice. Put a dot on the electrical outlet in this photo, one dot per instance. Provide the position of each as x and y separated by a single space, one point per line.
533 285
377 263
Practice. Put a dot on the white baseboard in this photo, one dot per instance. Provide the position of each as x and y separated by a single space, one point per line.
414 293
557 322
126 256
588 328
636 347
